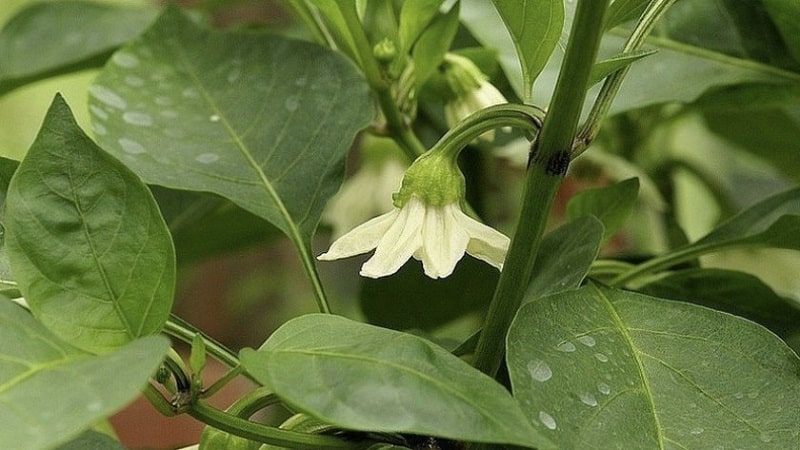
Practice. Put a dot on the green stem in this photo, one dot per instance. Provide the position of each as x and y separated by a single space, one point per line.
223 381
611 86
262 433
549 163
396 124
671 259
252 402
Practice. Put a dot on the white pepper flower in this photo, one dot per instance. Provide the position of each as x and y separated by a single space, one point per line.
471 91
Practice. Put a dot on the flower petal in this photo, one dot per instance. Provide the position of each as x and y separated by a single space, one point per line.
485 243
360 239
401 240
443 241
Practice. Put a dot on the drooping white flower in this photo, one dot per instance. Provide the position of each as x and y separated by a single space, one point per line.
471 91
437 235
427 223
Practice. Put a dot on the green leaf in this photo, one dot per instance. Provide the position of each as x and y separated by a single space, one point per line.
239 114
611 205
362 377
601 368
434 44
415 16
408 299
86 241
51 392
734 292
92 440
535 27
8 285
565 257
621 11
51 38
786 15
606 67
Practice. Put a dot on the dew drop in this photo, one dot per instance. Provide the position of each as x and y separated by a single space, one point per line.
697 431
753 394
130 146
125 60
765 437
738 395
539 370
98 112
301 81
601 357
134 81
213 118
107 96
137 118
604 388
94 406
587 341
207 158
190 92
234 75
547 420
588 399
163 100
292 103
566 347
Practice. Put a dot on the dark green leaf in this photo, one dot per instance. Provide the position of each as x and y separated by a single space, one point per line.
362 377
51 38
51 392
601 368
86 241
565 257
734 292
786 15
410 300
611 205
606 67
535 27
239 114
7 284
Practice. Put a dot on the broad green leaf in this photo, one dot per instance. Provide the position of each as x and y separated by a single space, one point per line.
621 11
51 392
611 205
7 284
602 368
415 16
606 67
51 38
239 114
730 291
92 440
565 257
535 27
786 15
337 27
86 241
362 377
410 300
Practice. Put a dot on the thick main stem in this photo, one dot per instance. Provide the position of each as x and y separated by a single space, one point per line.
548 165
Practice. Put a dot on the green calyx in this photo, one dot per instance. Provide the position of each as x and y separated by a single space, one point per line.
434 178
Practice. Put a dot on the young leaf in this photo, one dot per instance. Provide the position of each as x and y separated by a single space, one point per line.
52 38
362 377
602 368
434 44
611 205
415 16
734 292
621 11
235 113
86 241
606 67
51 392
565 257
535 27
786 15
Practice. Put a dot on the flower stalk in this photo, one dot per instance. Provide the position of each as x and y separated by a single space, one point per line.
549 162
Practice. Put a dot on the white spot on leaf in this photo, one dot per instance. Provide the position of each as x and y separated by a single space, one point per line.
539 370
107 96
138 118
130 146
547 420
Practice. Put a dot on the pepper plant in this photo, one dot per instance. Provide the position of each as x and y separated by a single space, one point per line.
569 181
